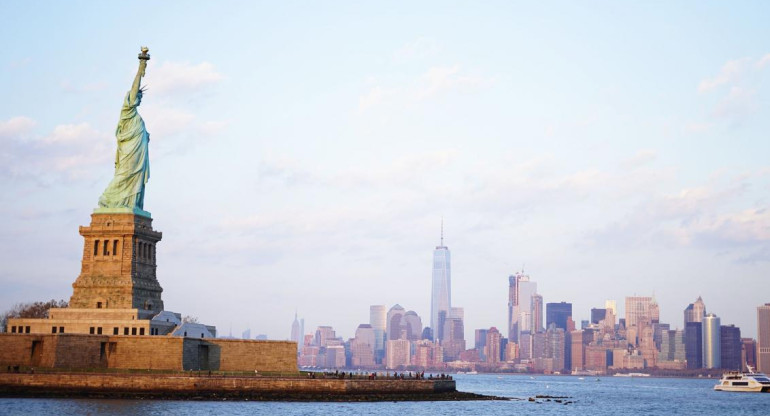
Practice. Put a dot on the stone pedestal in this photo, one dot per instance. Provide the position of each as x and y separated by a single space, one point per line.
118 267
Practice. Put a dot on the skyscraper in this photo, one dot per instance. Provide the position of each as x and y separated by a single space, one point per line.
695 312
693 344
536 312
638 310
413 325
557 313
520 291
763 338
441 290
712 352
378 318
296 332
395 326
731 347
493 346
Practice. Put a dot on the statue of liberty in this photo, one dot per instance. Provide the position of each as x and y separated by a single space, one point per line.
132 161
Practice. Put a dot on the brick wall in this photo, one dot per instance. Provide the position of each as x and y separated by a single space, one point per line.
146 352
159 383
249 355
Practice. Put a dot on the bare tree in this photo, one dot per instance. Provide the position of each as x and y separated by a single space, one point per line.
187 319
30 310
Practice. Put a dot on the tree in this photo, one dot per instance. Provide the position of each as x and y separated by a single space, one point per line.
187 319
30 310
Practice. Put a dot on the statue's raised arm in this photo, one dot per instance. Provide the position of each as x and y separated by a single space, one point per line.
136 87
132 161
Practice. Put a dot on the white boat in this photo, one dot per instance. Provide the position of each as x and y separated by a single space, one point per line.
744 382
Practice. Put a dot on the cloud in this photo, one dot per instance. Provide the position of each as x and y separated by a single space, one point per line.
163 121
738 102
439 79
421 47
764 61
432 83
16 127
701 217
181 77
729 73
68 152
641 158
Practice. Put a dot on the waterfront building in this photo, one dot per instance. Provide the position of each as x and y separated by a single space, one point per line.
525 346
511 350
441 289
335 356
695 312
378 318
362 347
730 347
454 334
693 344
492 348
579 340
427 354
555 347
596 358
711 341
763 338
672 346
557 314
748 353
481 342
397 354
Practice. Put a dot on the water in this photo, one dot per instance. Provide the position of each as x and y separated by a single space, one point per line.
608 396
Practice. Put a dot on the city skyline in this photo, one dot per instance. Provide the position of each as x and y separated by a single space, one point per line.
303 156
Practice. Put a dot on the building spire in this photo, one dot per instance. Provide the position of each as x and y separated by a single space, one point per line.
442 231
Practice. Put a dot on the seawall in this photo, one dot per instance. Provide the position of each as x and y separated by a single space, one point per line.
180 386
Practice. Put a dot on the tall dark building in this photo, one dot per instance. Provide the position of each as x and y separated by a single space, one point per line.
557 313
598 314
748 353
731 345
693 347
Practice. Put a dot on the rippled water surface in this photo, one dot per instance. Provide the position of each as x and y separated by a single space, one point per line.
605 396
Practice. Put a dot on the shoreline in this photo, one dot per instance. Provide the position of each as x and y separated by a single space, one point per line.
193 387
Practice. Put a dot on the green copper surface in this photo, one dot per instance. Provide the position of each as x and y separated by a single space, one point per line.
132 160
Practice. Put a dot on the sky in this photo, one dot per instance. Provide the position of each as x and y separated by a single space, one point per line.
304 154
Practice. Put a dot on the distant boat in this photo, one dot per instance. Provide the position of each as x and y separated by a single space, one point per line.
748 382
631 375
577 372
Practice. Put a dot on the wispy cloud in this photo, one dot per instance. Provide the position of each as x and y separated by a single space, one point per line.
432 83
181 77
729 73
419 48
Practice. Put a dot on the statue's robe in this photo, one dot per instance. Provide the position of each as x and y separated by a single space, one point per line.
132 161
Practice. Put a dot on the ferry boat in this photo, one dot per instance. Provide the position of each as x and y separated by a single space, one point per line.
744 382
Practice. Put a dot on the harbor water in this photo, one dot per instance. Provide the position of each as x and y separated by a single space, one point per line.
560 395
